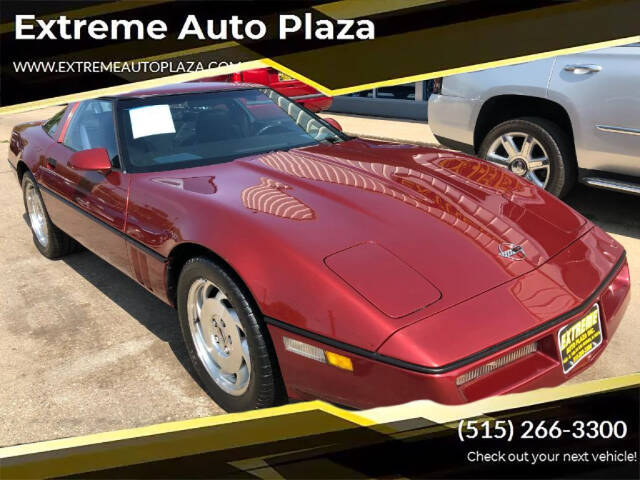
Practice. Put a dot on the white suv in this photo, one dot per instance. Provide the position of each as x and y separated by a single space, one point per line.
553 121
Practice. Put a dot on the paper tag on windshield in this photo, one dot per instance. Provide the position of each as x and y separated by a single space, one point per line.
151 120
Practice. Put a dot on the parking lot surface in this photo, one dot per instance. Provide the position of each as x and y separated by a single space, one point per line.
84 349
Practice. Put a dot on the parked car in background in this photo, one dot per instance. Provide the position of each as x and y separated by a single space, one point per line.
281 83
305 263
552 121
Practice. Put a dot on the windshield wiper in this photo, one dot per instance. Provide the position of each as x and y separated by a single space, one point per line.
279 148
332 140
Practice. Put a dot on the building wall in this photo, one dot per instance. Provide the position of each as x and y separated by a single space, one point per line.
399 101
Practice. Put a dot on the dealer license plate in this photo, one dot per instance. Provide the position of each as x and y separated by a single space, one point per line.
579 338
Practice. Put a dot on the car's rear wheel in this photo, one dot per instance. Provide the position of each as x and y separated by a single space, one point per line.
226 340
49 239
533 148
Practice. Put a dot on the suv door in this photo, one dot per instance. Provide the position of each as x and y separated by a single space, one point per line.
88 205
601 92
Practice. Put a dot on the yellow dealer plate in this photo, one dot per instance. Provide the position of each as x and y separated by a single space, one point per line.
579 338
283 77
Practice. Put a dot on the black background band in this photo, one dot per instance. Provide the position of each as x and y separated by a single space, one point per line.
430 37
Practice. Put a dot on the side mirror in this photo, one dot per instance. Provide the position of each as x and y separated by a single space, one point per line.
334 123
95 159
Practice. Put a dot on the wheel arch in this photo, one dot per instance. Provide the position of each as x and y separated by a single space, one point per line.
182 253
501 108
21 168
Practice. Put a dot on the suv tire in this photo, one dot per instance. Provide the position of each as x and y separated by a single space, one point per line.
546 140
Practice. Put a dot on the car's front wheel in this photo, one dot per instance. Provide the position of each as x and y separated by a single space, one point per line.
226 340
49 239
533 148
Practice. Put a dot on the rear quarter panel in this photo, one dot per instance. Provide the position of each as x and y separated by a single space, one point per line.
28 144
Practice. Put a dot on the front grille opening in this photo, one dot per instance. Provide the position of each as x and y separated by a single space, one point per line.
493 365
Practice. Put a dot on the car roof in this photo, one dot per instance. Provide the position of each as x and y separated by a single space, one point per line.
181 88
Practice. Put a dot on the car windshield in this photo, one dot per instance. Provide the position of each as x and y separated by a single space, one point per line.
188 130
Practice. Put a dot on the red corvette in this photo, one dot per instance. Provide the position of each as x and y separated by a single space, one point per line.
308 264
296 90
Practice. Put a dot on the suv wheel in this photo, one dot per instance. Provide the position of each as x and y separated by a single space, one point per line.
533 148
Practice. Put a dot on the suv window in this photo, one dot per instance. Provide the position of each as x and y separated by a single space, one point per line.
92 127
51 125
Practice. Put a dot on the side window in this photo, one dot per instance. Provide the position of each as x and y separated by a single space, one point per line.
51 125
92 127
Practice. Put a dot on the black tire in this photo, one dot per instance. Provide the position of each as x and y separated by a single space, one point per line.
57 244
265 387
556 142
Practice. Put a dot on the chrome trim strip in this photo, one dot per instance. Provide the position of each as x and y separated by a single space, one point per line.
612 129
614 185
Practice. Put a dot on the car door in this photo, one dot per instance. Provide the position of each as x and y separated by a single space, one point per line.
601 92
89 205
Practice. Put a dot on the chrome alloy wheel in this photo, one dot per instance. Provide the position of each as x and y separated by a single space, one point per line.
523 155
219 337
37 217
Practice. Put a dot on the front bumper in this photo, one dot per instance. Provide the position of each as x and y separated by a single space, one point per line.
376 382
452 120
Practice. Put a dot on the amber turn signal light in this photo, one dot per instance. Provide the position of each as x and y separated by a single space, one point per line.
339 361
318 354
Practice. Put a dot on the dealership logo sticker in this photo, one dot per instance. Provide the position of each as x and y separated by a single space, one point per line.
511 251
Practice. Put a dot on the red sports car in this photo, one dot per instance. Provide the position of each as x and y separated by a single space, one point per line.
296 90
308 264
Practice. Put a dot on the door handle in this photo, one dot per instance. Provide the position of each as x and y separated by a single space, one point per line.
583 69
52 162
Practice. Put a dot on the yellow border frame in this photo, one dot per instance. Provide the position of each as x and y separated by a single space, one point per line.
366 418
169 427
450 71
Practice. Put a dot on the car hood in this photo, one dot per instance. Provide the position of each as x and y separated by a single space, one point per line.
443 214
386 235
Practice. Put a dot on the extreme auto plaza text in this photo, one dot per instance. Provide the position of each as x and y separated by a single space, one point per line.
30 28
